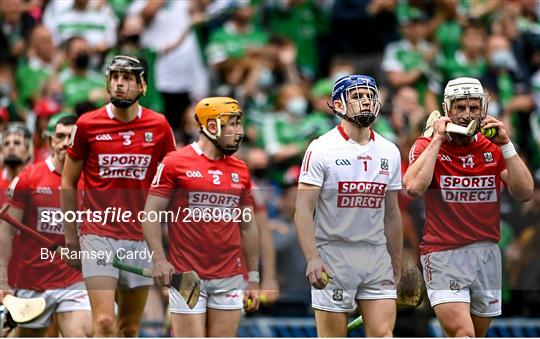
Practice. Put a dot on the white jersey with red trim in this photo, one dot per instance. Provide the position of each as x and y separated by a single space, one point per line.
353 179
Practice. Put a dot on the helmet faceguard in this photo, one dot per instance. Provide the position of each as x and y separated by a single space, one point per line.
220 109
359 96
470 101
130 65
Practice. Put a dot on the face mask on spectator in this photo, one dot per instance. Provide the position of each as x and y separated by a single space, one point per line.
134 39
266 78
81 61
297 106
503 58
260 173
58 97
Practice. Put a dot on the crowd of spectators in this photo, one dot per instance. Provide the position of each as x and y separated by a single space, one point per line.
279 59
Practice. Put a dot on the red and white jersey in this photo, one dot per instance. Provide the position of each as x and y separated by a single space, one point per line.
463 200
353 180
200 188
12 266
120 160
36 190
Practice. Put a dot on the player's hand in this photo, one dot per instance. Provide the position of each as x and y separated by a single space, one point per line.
314 270
501 138
439 128
4 289
162 273
270 288
251 297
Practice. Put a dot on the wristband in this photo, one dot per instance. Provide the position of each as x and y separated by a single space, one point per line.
508 150
253 276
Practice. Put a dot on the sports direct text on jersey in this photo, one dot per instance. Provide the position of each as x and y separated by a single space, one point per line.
360 194
128 166
468 189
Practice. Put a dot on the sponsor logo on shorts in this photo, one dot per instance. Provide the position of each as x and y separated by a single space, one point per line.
454 286
468 189
493 302
337 294
101 262
360 194
127 166
387 283
232 296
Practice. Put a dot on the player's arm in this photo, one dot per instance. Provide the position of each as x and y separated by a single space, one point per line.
249 235
393 229
419 175
68 202
518 179
6 241
516 176
269 283
153 235
306 201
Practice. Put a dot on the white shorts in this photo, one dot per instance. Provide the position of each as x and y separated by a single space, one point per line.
104 249
360 271
470 274
69 299
220 294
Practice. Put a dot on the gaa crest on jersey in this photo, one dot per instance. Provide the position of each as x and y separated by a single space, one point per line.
235 177
384 164
148 137
488 157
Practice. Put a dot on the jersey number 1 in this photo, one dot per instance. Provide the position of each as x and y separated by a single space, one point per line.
365 165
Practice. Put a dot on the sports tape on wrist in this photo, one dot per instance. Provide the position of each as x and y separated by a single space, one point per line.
253 276
508 150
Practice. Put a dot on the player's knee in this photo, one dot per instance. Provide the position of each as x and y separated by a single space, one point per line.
76 331
104 325
380 331
460 332
128 331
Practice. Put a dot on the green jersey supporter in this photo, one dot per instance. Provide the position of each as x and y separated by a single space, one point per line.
79 88
229 43
302 22
30 76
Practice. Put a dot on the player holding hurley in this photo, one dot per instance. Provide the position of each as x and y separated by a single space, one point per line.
118 148
216 235
461 177
33 191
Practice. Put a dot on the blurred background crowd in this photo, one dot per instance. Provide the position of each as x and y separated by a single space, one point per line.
279 58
